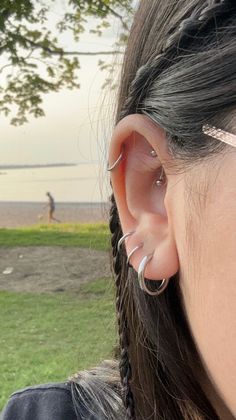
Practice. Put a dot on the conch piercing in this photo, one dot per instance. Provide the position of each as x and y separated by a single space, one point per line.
116 163
141 278
133 251
123 238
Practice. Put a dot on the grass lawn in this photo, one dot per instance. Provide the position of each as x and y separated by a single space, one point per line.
83 235
46 338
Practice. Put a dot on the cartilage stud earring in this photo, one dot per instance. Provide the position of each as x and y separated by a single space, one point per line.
153 153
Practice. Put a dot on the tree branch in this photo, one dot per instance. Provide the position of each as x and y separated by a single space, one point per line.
117 15
62 52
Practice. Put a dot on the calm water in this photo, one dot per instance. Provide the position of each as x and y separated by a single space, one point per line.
82 183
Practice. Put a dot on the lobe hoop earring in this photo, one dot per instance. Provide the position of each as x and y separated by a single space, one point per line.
123 238
141 278
133 251
116 163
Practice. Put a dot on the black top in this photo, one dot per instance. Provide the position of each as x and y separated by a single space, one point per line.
42 402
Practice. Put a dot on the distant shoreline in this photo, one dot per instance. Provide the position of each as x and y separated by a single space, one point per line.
18 213
45 165
73 203
34 166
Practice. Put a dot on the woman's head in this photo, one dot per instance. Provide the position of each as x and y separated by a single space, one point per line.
177 350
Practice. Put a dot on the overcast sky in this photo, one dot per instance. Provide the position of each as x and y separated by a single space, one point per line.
69 132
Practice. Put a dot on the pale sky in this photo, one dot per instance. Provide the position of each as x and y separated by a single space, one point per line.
69 132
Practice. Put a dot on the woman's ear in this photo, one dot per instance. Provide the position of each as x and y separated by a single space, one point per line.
142 201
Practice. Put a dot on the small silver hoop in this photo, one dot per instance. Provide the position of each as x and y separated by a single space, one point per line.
123 238
115 164
141 278
160 181
133 251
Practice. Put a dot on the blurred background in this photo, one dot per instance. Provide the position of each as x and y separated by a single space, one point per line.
60 63
59 74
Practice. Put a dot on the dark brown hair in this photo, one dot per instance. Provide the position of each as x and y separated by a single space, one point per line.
179 70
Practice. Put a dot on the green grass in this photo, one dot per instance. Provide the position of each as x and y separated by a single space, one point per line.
46 338
82 235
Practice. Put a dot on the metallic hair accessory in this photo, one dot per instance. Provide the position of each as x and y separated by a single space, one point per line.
123 238
141 278
219 134
133 251
161 180
115 164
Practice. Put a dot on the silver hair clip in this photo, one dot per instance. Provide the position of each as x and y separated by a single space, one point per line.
220 135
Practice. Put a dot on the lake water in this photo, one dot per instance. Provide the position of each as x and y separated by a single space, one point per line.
82 183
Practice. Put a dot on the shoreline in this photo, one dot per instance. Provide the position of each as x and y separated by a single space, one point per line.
18 213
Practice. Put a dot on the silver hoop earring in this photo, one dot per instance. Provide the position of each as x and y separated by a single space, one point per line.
123 238
133 251
141 278
116 163
161 180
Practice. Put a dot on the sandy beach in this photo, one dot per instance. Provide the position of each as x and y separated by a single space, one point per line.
15 214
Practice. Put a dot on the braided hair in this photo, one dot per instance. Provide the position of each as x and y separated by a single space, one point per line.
178 43
182 40
120 271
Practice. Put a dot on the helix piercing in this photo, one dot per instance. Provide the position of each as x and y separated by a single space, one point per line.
141 278
133 251
115 164
123 238
161 180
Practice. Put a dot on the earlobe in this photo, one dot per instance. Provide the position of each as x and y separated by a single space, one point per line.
140 188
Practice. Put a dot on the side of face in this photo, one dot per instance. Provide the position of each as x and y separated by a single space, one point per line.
205 226
189 225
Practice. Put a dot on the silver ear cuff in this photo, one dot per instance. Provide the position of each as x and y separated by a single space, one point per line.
141 278
116 163
123 238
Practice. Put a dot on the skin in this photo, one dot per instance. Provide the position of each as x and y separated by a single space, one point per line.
189 223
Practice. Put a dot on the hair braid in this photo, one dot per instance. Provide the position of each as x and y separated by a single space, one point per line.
120 271
200 18
179 39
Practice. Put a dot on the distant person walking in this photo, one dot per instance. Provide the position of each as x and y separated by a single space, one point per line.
51 208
